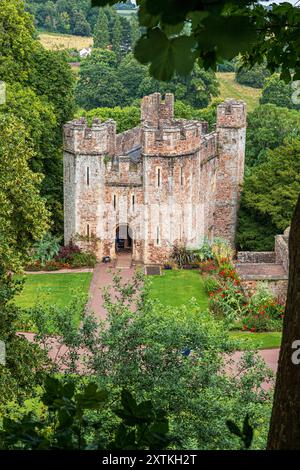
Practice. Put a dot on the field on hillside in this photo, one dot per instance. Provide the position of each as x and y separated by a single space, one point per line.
55 41
229 88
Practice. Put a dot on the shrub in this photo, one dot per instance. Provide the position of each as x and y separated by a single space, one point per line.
181 255
228 302
46 249
80 260
67 252
211 284
208 266
267 317
263 312
221 251
203 253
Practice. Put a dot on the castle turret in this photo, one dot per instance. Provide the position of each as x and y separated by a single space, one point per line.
231 129
85 149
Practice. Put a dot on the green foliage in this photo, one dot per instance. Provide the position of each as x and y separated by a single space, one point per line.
101 34
173 352
117 38
103 82
254 77
80 260
64 423
268 127
279 93
245 434
217 31
23 215
25 361
46 248
276 200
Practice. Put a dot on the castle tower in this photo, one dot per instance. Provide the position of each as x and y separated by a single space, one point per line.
231 130
171 165
84 174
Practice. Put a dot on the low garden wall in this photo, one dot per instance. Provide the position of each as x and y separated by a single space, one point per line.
256 257
278 287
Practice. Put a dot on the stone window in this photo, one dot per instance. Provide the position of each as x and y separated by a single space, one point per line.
88 175
158 177
133 202
157 235
115 201
88 231
181 177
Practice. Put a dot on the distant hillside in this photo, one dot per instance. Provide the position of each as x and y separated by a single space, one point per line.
229 88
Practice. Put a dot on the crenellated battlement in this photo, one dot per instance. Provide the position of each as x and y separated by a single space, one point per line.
155 111
174 138
231 113
100 138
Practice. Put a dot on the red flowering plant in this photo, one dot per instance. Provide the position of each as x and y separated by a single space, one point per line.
227 302
207 267
263 312
267 317
228 272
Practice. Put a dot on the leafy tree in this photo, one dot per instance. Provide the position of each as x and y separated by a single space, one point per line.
271 204
278 92
24 361
101 33
23 216
117 38
173 352
99 85
268 126
65 423
254 77
135 31
16 41
126 118
81 27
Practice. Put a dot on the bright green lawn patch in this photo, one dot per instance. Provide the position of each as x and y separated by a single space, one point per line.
53 289
267 340
177 287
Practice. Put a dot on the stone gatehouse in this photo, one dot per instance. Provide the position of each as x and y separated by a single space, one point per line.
166 181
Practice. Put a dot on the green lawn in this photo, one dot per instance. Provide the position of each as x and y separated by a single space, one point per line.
229 88
267 340
53 289
177 287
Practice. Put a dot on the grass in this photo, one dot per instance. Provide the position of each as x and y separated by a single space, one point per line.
53 289
268 340
177 287
229 88
55 41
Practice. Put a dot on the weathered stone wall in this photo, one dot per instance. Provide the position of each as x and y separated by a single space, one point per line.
231 128
256 257
199 173
128 140
282 250
278 287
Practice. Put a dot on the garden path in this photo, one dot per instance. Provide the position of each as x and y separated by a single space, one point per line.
102 277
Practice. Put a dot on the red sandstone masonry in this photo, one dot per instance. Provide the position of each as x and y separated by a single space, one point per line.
198 169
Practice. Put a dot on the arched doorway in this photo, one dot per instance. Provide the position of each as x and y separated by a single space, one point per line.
124 239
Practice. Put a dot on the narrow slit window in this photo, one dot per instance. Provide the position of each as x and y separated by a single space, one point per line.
133 202
115 202
158 177
88 176
88 231
157 236
181 176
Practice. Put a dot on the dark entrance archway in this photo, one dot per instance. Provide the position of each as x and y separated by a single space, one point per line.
124 239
